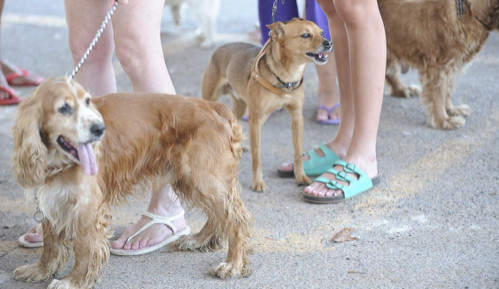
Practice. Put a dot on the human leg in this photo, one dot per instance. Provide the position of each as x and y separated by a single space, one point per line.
328 91
139 50
163 203
84 19
339 145
365 69
138 45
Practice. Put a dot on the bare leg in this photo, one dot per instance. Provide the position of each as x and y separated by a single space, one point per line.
139 49
329 93
356 25
163 203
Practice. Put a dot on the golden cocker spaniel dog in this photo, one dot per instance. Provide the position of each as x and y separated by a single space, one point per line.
438 38
82 155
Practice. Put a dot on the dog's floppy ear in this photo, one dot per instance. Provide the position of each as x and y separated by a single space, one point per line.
29 160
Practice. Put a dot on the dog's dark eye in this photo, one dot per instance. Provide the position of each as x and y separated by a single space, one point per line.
305 35
87 101
65 109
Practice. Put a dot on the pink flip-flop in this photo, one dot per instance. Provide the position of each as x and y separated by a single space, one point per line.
329 110
30 80
13 99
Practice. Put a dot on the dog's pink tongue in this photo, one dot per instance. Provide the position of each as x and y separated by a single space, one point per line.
87 159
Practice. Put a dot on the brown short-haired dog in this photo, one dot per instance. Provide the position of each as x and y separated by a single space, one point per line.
438 38
264 79
138 139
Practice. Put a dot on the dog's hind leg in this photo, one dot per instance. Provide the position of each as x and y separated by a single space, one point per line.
227 218
235 220
238 106
437 85
212 83
54 257
208 239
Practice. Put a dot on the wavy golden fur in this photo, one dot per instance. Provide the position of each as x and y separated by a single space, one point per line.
437 39
148 139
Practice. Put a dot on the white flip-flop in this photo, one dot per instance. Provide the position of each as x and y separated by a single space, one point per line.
26 244
155 219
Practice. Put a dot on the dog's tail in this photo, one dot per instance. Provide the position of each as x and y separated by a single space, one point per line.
237 135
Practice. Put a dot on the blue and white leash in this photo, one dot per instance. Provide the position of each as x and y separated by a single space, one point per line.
94 41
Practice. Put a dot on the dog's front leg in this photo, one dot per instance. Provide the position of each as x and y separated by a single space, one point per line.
256 121
91 250
54 257
437 85
297 135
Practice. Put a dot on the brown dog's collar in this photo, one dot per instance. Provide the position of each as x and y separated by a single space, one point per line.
285 88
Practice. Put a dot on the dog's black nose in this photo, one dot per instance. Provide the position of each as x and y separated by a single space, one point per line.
327 44
98 129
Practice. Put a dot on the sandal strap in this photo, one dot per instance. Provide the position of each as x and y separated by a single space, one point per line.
155 219
363 180
329 110
316 165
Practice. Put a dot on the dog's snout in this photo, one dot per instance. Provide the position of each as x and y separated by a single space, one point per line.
327 44
97 129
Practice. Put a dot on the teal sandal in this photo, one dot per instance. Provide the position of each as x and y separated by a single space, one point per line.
315 165
354 187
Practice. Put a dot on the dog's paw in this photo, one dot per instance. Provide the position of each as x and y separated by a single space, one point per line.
226 270
406 91
303 180
462 110
60 284
31 273
449 123
189 243
258 186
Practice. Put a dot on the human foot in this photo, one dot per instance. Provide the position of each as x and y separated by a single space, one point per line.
315 162
341 181
328 115
17 76
8 96
33 238
150 233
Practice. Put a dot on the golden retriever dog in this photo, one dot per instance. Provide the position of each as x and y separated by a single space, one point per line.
82 155
438 38
264 79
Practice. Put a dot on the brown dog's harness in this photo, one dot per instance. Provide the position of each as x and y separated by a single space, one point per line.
284 88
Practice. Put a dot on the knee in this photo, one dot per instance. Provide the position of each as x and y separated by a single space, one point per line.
352 12
129 53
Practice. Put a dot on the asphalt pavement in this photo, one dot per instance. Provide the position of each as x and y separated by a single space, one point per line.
432 222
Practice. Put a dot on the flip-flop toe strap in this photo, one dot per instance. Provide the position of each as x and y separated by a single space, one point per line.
155 219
